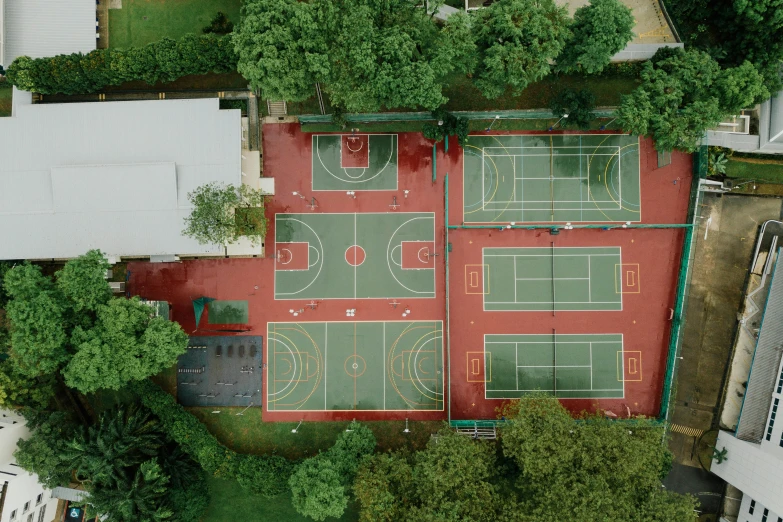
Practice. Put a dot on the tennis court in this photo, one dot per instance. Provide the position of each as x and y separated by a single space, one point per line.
554 278
355 162
571 366
355 366
551 178
355 256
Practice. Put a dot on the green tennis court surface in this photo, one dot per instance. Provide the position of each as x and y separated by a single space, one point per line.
354 256
546 178
568 366
559 278
355 162
334 366
227 312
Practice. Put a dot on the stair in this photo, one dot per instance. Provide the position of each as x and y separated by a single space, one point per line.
277 108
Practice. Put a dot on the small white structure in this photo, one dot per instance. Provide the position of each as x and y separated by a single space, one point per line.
754 452
42 28
23 498
114 176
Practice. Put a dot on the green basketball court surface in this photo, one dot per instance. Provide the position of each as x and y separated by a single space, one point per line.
355 256
568 366
551 178
557 278
355 162
356 366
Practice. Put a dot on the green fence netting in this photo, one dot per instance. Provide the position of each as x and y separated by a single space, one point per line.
700 159
427 116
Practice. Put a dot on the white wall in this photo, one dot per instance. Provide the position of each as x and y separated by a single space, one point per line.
22 487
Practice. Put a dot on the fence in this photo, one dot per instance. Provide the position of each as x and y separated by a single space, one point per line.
537 114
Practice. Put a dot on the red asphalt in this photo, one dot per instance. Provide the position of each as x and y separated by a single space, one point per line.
287 158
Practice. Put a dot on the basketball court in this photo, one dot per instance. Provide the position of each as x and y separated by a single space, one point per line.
554 278
355 256
353 162
355 366
552 178
567 366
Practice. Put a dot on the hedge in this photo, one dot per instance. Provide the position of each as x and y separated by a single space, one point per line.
161 61
266 475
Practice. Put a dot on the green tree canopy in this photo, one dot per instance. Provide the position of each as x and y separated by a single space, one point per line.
222 214
367 54
578 105
600 30
451 480
447 125
279 49
317 489
140 496
596 469
43 452
19 389
126 344
82 281
516 41
683 93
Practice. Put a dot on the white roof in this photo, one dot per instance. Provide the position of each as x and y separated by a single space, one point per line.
112 176
42 28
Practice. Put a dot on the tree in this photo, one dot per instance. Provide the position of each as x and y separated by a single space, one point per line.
83 282
596 469
42 452
36 313
139 497
600 30
676 101
126 344
448 125
122 438
317 489
578 105
516 41
367 54
18 389
219 25
279 50
351 447
740 88
451 480
221 214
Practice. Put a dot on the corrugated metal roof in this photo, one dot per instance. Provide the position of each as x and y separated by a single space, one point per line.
112 176
766 362
41 28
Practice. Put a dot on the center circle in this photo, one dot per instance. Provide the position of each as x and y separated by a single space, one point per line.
355 365
355 255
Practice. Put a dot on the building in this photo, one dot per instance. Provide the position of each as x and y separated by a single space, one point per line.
736 133
23 499
754 451
41 28
115 176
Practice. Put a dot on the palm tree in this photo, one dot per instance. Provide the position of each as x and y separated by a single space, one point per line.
141 497
123 438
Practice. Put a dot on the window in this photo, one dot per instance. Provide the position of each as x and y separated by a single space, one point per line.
26 507
764 515
41 514
772 418
13 514
30 517
780 384
39 499
752 506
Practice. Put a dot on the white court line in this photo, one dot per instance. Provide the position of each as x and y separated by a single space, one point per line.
555 366
317 153
384 365
589 280
326 345
591 365
354 266
483 190
551 278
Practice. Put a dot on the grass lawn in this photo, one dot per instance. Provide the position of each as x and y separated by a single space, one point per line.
140 22
231 502
760 170
248 434
5 99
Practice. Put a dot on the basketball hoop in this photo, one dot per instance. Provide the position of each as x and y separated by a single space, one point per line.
283 257
312 305
394 205
352 139
393 303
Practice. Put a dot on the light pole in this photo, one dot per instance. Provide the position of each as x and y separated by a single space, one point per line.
301 196
558 121
497 117
406 430
297 426
605 125
243 411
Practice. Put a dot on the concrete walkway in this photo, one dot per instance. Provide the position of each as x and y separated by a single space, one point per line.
720 269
